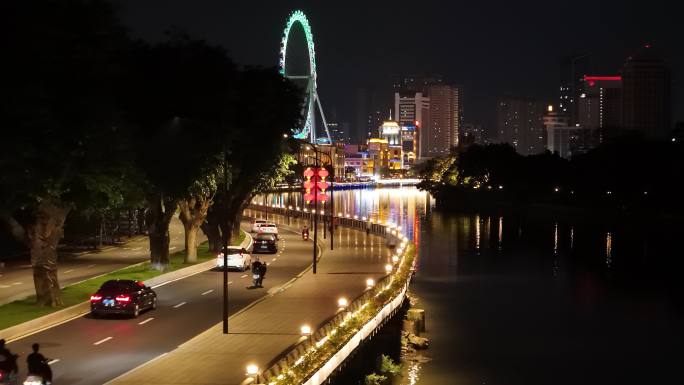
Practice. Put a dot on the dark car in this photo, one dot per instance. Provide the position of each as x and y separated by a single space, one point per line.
265 243
122 296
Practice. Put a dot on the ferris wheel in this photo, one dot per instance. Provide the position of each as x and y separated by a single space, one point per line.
308 130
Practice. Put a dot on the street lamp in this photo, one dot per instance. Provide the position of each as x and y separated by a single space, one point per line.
388 268
342 302
305 330
253 371
370 282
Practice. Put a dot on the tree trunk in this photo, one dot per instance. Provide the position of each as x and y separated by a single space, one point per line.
159 216
211 230
193 212
43 235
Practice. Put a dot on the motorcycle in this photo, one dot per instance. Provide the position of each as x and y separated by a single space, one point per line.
305 235
257 279
8 378
32 379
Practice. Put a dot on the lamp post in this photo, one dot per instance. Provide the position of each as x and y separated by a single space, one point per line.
332 199
225 246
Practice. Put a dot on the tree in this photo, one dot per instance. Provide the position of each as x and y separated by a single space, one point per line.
179 115
268 107
60 119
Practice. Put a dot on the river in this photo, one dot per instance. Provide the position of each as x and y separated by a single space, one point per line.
525 300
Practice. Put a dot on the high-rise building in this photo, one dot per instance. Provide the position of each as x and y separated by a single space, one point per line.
520 122
600 105
471 133
413 109
415 83
646 94
445 119
573 69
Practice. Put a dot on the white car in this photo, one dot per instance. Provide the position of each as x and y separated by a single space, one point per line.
238 258
268 228
256 224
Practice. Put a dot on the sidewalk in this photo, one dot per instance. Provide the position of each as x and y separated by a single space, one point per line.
264 330
16 282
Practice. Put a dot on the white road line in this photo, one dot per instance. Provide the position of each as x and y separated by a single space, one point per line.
103 340
207 292
172 247
68 271
268 263
179 305
145 321
89 266
56 360
274 259
17 283
4 286
243 276
136 248
230 282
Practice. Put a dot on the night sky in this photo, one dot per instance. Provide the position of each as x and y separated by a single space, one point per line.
493 48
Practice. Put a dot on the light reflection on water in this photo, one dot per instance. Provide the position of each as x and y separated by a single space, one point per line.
479 276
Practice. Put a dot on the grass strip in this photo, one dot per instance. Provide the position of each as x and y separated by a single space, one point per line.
26 309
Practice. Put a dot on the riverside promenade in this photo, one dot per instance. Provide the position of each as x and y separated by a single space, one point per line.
263 331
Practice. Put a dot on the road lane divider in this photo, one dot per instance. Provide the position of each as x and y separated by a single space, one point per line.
102 341
145 321
243 276
207 292
179 305
68 271
53 361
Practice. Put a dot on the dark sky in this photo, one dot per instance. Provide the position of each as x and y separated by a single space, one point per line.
493 48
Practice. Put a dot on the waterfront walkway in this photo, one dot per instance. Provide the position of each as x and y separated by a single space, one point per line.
264 330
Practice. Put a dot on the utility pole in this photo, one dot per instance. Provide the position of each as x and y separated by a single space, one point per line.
225 244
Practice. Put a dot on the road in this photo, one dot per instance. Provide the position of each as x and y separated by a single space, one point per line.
16 279
93 351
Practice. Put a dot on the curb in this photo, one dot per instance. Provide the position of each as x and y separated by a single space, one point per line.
59 317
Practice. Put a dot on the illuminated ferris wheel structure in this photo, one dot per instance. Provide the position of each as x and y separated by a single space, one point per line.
308 131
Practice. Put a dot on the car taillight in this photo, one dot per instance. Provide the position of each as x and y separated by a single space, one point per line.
95 297
123 298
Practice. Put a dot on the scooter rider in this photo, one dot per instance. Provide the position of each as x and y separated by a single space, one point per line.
38 365
305 233
8 363
258 270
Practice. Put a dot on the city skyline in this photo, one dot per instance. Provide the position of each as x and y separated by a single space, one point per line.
489 66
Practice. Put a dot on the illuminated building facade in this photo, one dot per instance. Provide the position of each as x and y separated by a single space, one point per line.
520 122
413 109
441 134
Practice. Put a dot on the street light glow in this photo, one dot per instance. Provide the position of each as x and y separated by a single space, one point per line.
305 330
342 302
370 282
395 258
388 268
252 370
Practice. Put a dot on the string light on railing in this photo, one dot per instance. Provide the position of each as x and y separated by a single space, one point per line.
339 214
356 216
370 282
388 268
348 216
305 330
363 218
395 258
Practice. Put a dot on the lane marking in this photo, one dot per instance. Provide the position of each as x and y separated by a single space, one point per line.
230 282
243 276
4 286
207 292
179 305
146 321
274 259
136 248
56 360
172 247
17 283
68 271
103 340
89 266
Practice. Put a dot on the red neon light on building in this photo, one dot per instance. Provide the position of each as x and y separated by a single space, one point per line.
588 78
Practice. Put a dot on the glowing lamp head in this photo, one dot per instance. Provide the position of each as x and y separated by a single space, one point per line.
370 282
305 330
395 258
342 302
388 268
252 370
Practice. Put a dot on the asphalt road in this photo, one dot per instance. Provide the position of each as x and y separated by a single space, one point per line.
93 351
16 278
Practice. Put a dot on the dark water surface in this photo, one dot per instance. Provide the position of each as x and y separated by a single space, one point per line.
514 299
